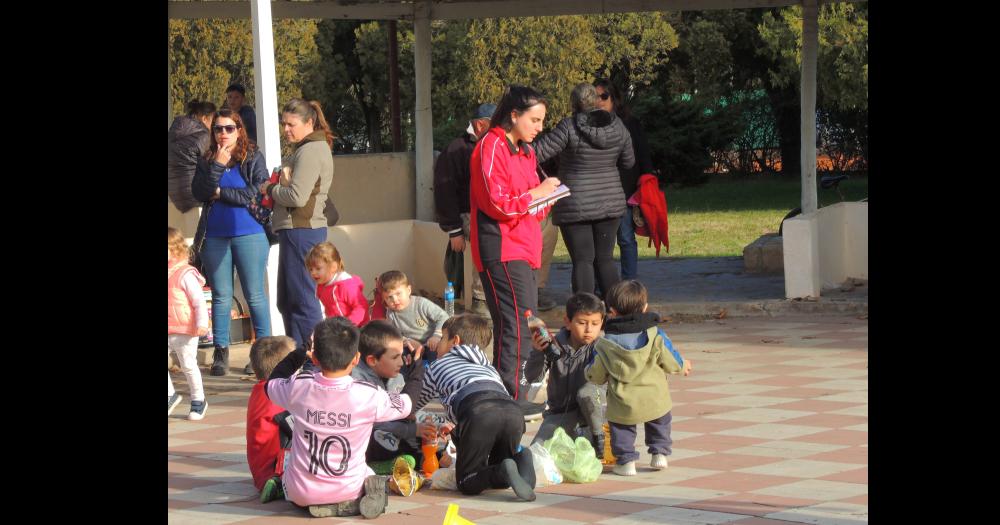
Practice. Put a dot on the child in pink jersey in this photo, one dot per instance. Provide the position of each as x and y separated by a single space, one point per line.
334 415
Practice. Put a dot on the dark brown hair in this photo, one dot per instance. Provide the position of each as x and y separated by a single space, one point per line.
627 297
471 329
515 98
243 149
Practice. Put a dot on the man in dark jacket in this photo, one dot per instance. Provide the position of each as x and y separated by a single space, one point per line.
236 95
451 192
187 140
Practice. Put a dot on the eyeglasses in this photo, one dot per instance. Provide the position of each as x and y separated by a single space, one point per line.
605 96
228 129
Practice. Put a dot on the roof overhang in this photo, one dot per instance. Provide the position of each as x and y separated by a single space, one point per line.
452 9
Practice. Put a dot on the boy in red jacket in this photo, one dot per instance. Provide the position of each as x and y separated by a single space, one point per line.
265 419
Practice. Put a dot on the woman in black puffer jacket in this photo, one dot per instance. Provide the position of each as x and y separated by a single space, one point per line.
592 145
187 140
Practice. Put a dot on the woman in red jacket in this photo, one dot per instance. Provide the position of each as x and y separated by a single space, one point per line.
506 239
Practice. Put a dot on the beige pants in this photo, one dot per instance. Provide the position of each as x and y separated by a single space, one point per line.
550 235
477 285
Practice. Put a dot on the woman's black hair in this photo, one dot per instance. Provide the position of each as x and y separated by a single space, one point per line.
515 98
616 96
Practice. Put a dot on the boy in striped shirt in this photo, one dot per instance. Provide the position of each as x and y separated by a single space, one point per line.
488 422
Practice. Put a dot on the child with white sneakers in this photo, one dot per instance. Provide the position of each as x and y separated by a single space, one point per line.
634 357
187 318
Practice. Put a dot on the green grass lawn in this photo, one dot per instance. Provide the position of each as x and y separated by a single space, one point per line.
722 217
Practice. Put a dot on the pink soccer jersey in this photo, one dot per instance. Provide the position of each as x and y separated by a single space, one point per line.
333 423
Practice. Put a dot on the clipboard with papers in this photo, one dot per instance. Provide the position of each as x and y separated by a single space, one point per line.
542 202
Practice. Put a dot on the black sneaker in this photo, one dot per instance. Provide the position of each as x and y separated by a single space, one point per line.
249 369
376 497
531 411
508 470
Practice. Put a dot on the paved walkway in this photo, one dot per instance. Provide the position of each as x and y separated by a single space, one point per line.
709 286
770 429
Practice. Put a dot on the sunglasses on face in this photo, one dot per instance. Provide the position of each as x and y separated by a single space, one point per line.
605 96
228 129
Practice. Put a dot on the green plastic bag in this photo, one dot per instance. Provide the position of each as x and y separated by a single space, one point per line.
574 459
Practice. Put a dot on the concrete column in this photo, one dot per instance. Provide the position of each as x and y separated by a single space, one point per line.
422 111
801 256
267 127
810 45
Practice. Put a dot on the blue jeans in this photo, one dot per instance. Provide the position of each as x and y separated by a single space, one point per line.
628 247
248 253
300 310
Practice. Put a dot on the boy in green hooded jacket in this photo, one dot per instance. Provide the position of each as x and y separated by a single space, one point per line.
634 357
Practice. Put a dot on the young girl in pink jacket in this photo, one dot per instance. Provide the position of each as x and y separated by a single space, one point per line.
341 293
187 318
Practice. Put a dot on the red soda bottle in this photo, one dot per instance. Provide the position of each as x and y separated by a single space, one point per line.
267 201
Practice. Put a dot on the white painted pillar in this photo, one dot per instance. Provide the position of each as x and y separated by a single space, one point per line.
810 45
422 111
267 127
801 234
800 247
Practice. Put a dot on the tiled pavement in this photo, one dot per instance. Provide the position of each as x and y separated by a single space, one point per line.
770 429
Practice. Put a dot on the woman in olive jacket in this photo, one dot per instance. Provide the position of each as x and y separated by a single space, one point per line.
592 145
299 217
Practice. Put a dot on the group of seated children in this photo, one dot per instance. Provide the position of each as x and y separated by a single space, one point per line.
418 319
355 411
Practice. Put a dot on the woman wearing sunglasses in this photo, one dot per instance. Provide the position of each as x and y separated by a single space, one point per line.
301 213
610 100
226 180
592 146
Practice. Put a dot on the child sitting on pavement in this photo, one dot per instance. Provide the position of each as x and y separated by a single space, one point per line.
573 402
383 358
419 319
340 292
265 454
488 423
633 357
334 415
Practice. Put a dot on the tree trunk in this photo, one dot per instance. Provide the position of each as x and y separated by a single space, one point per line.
788 119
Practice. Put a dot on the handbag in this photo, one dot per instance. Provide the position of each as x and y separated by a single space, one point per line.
259 212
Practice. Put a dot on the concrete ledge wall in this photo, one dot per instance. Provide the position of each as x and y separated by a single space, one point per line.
414 247
825 248
843 241
374 188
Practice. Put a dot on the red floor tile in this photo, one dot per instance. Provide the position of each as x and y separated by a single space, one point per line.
694 410
206 447
837 437
736 481
723 461
827 420
785 381
603 485
814 405
751 504
859 476
588 510
856 455
717 443
805 392
708 426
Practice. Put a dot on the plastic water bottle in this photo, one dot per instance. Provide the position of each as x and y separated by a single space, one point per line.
449 299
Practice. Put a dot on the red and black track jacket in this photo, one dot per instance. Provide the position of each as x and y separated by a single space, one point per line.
501 175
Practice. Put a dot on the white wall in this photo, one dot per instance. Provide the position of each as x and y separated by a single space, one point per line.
825 248
414 247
